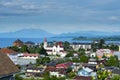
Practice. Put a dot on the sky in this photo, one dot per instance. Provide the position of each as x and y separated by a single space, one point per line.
60 16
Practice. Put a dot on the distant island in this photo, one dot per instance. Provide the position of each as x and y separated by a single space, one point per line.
112 38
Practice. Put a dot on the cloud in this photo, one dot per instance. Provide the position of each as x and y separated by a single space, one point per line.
114 18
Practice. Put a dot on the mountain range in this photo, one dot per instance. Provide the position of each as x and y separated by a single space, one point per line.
27 33
39 33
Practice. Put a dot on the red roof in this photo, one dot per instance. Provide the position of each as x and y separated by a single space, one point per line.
8 51
50 68
27 54
64 65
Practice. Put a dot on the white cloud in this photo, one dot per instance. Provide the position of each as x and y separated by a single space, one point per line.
113 18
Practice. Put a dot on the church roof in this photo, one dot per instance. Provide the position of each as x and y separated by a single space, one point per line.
18 41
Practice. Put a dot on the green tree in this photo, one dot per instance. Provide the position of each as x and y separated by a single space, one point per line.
66 45
24 48
113 61
42 60
71 75
102 41
116 77
18 77
43 51
84 58
15 48
103 74
81 51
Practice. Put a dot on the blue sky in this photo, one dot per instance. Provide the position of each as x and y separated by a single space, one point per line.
60 16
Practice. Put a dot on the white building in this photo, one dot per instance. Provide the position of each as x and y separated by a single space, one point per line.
29 56
77 46
54 49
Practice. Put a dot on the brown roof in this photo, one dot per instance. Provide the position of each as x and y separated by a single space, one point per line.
7 67
50 68
7 51
18 41
82 78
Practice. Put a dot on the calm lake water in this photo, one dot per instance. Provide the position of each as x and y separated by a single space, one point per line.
5 42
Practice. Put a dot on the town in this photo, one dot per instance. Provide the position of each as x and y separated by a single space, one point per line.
59 60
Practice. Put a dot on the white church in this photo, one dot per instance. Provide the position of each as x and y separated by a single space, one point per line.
54 49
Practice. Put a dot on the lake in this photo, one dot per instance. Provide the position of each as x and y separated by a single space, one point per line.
5 42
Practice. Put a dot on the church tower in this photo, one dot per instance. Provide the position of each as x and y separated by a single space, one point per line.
45 43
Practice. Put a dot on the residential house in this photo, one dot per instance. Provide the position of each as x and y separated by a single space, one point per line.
50 68
13 55
91 66
83 78
104 52
18 43
58 72
7 68
65 65
55 48
92 61
92 55
117 53
29 44
29 56
53 71
76 66
116 71
34 71
87 72
77 46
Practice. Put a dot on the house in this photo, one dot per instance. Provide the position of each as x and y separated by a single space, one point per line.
55 48
53 71
64 65
58 72
77 46
92 55
49 68
76 67
29 44
34 71
83 78
91 66
18 43
92 61
13 55
116 71
29 56
87 72
7 68
104 52
117 53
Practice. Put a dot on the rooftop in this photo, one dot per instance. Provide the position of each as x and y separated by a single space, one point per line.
8 51
7 67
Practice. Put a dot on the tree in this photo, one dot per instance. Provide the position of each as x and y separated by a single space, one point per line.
103 74
113 61
43 51
116 77
75 59
101 43
71 74
42 60
84 58
15 48
81 51
24 48
66 45
18 77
